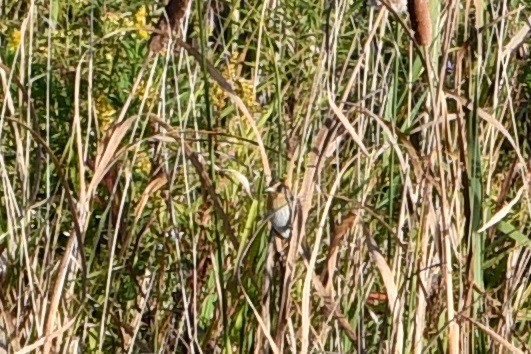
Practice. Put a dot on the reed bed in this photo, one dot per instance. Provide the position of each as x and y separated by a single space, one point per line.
137 139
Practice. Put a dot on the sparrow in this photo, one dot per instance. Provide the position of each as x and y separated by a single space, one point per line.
280 206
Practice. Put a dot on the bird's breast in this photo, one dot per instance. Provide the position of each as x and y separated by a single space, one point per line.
281 216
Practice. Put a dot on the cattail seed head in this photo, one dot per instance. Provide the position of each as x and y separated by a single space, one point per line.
419 12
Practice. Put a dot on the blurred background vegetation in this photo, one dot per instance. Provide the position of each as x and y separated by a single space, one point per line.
133 216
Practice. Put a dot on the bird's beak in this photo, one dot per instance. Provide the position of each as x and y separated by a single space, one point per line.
270 189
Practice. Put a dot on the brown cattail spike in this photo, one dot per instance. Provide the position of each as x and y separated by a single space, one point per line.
174 13
419 12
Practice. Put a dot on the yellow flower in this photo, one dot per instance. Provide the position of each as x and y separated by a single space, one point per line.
112 19
140 21
244 87
106 113
140 15
128 23
142 88
143 34
14 41
109 56
143 162
246 91
218 98
60 34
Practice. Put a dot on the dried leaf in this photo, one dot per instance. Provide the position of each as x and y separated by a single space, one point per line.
344 120
496 218
242 179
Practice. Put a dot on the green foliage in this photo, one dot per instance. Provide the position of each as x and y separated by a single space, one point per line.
158 172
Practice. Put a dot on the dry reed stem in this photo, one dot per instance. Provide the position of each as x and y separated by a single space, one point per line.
423 279
502 341
8 334
47 339
5 70
306 291
146 284
81 215
331 307
64 267
468 104
440 138
105 159
327 275
394 301
227 87
314 166
360 63
261 345
518 39
206 182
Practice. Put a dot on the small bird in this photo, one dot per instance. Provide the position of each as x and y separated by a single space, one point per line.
280 208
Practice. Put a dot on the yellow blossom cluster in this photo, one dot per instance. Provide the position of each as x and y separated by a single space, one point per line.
114 21
142 88
143 162
141 22
14 40
106 113
244 88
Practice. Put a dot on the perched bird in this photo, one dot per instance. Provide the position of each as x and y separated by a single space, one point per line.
280 208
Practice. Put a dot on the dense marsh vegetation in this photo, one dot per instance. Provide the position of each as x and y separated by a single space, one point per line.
133 216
